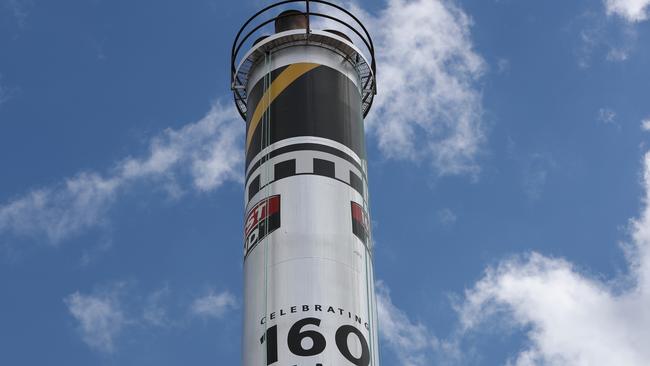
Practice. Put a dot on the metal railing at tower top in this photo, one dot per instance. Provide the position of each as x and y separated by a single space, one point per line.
367 68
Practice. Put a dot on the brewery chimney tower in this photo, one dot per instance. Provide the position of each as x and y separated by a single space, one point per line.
309 296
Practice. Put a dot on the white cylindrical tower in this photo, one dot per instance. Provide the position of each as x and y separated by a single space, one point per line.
308 277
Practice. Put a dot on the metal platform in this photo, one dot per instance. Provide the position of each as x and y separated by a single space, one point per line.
241 67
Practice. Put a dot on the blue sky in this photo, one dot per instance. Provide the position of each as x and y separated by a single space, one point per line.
508 174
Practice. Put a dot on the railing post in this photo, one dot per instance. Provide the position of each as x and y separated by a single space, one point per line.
308 18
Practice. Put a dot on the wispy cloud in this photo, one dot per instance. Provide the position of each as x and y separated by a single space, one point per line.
208 151
18 9
535 170
446 217
104 315
535 174
59 212
607 116
600 35
645 124
570 318
503 65
633 11
99 316
410 341
214 305
429 106
155 311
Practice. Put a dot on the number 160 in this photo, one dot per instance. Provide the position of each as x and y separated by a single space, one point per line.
296 336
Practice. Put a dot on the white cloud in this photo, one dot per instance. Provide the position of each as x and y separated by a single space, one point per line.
429 108
645 124
58 212
618 54
633 11
410 341
111 312
100 318
570 318
607 116
208 151
598 36
214 305
590 39
446 217
428 105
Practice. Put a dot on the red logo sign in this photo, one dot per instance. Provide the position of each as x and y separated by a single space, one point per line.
261 220
360 222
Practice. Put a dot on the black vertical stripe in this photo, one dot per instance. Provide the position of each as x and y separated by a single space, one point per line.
356 182
254 187
285 169
324 167
359 231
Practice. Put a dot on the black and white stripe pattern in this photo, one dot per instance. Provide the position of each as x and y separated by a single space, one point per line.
331 111
305 159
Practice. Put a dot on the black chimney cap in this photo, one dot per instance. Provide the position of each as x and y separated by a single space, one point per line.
290 19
